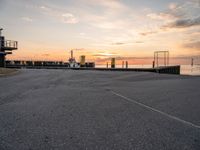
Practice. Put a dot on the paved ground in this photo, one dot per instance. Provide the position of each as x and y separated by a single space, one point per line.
6 71
66 109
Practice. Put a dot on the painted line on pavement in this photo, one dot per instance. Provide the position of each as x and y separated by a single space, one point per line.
157 111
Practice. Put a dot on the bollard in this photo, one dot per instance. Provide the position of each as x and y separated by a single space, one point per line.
153 64
126 64
82 61
113 63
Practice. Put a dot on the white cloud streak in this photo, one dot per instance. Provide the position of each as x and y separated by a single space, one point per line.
27 19
69 18
62 15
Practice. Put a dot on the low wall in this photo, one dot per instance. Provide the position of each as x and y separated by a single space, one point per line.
165 70
169 70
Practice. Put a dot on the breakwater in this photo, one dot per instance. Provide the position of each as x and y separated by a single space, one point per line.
162 70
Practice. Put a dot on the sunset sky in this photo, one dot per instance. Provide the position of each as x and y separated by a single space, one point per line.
126 29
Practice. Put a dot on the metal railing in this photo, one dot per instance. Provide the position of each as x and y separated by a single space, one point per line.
164 56
9 44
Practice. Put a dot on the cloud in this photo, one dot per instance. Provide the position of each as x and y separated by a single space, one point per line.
27 19
127 43
82 34
193 45
148 33
118 43
173 6
112 5
195 3
177 9
160 16
108 21
107 14
46 55
45 8
105 54
139 42
62 15
174 11
183 23
132 57
69 18
177 16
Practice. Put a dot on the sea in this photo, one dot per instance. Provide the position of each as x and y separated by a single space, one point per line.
185 69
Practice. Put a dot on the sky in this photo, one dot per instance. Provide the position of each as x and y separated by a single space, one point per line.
100 29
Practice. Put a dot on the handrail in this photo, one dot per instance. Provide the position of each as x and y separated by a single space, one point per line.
9 44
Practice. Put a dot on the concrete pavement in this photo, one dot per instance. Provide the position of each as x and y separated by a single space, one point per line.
69 109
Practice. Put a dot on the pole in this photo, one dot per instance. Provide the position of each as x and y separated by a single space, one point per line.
153 64
126 64
168 59
1 31
71 54
157 59
192 62
164 58
112 62
154 58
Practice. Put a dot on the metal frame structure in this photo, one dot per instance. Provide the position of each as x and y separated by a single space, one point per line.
165 57
6 47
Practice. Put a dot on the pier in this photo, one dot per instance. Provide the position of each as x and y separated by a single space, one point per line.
165 70
88 66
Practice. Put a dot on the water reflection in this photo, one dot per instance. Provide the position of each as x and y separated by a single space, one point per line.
190 70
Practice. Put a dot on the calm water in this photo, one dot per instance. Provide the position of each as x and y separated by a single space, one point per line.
185 69
189 70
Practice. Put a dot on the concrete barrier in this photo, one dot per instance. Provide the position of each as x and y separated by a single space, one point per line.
165 70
